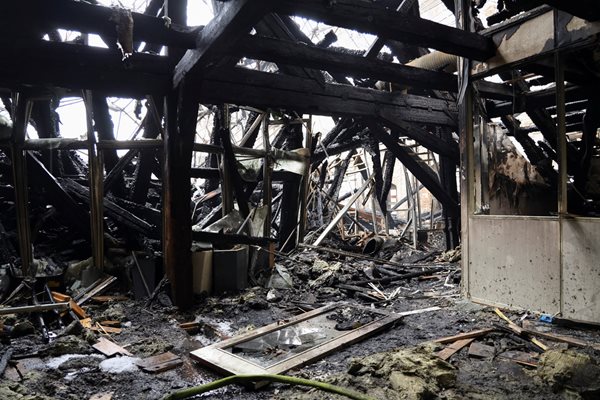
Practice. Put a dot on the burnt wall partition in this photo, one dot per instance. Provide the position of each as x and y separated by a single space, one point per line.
528 171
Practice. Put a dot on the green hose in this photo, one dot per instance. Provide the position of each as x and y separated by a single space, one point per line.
196 390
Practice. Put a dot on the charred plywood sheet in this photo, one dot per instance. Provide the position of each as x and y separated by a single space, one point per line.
515 262
581 270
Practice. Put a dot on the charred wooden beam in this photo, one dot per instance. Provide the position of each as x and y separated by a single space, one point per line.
445 147
365 17
234 20
289 53
262 89
78 67
47 15
416 166
280 28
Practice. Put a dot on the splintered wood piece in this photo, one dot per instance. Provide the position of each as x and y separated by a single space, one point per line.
105 329
109 348
86 323
59 297
466 335
513 327
453 348
480 350
114 324
189 325
160 363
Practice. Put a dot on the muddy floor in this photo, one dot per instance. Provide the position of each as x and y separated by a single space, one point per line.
69 368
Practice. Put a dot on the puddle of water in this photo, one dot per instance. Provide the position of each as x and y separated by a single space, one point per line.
118 365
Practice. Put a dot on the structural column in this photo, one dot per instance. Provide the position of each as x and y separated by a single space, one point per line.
181 111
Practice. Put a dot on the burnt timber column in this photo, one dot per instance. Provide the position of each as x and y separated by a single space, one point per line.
291 194
180 120
465 127
181 111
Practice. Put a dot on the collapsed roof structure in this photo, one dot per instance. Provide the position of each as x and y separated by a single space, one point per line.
495 118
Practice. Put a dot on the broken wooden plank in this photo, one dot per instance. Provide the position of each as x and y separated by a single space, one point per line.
453 348
513 327
467 335
105 329
109 348
96 288
159 363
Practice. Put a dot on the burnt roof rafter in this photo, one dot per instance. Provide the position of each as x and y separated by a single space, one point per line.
366 17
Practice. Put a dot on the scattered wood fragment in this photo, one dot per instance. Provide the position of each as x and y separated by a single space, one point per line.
561 338
96 288
513 327
466 335
539 344
105 329
480 350
114 324
106 299
160 363
59 297
453 348
109 348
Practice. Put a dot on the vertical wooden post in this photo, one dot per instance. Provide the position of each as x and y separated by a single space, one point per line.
181 111
20 120
305 183
96 181
267 170
465 125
